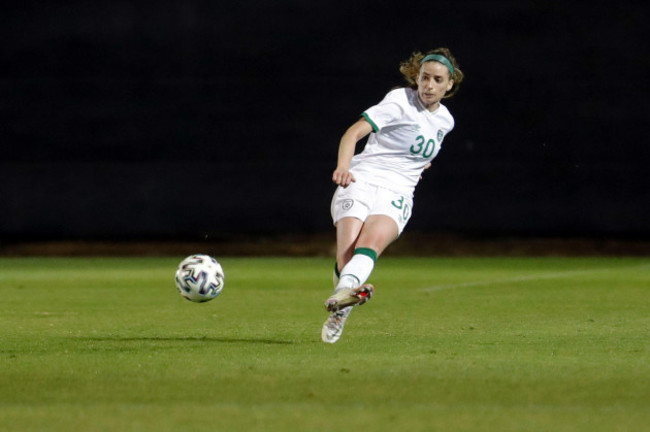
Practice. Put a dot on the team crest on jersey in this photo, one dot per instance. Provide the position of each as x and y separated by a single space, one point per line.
440 135
347 204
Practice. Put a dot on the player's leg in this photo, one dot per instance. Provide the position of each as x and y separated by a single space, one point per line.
386 221
376 234
349 209
347 232
388 215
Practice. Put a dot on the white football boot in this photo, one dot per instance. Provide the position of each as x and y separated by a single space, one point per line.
340 304
349 297
333 327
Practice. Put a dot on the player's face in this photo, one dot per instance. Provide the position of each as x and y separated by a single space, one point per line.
433 82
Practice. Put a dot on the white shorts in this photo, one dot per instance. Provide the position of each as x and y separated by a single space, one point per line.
360 200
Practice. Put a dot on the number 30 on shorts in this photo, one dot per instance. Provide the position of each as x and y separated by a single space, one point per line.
400 205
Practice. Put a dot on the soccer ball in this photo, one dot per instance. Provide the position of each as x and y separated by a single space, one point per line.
199 278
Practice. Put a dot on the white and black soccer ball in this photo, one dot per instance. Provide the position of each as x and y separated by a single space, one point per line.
199 278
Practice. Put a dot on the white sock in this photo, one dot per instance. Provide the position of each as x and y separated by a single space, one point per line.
357 271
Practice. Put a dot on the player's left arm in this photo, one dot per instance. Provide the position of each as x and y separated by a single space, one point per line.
342 175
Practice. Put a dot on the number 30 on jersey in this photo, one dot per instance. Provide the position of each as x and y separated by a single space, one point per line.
423 147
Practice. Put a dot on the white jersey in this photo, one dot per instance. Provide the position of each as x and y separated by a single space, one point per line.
406 137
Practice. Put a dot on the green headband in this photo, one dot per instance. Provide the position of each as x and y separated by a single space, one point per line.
440 59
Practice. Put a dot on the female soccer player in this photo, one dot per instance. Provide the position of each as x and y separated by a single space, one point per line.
374 198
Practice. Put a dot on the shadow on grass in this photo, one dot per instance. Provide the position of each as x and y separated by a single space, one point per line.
184 339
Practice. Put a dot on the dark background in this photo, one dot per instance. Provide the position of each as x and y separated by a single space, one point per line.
201 119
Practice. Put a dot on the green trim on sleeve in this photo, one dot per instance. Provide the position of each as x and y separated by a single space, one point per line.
374 126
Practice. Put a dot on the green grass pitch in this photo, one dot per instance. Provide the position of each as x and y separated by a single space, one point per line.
446 344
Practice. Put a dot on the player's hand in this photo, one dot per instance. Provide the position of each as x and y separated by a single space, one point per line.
426 167
343 177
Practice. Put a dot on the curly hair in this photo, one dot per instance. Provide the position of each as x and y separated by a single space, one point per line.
410 69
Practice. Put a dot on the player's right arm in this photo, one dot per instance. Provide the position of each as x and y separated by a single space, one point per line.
342 175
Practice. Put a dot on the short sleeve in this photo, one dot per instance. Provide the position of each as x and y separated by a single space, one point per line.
384 114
